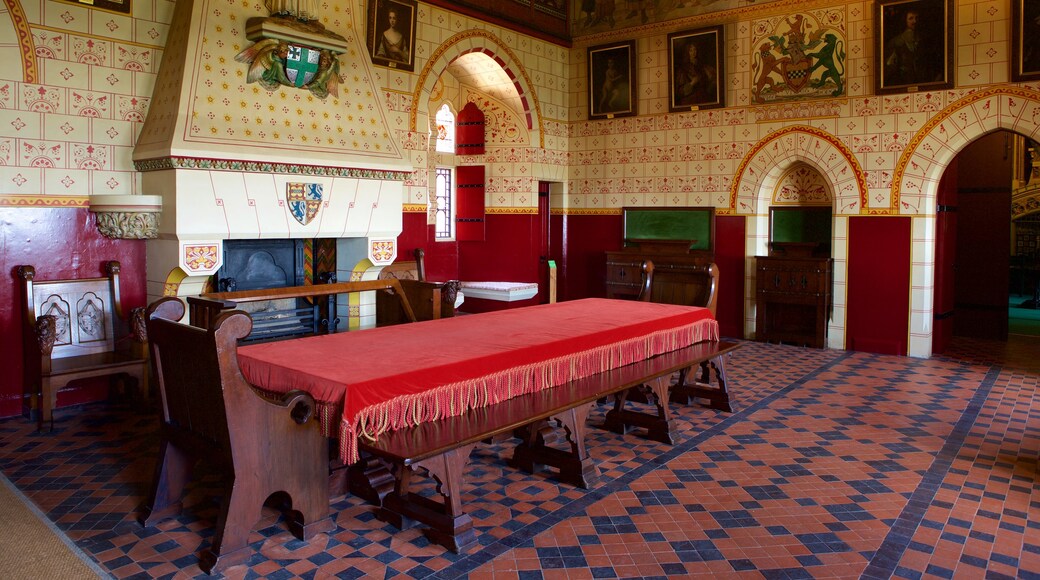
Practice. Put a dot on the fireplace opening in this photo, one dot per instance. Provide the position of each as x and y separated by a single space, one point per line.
264 264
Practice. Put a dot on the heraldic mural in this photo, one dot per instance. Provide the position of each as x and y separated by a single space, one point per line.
799 56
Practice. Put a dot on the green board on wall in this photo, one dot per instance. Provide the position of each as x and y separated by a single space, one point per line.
674 224
800 224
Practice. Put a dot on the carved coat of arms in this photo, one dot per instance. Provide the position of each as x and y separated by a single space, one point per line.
304 200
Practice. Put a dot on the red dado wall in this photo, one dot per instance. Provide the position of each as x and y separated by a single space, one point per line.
878 285
730 257
59 243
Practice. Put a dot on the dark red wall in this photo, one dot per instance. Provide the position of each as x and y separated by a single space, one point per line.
588 238
878 289
509 253
59 243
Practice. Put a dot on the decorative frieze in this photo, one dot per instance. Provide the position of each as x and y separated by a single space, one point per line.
164 163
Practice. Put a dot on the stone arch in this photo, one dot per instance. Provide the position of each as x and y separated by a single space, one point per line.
492 46
24 40
767 161
757 178
915 181
916 177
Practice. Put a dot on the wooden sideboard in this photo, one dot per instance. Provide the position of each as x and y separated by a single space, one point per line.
793 299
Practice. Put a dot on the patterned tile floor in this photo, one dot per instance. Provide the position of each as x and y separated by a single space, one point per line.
835 464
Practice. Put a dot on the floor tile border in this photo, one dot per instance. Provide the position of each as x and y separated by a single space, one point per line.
886 559
488 553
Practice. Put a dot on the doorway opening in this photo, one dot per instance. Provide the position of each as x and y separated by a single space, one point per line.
983 277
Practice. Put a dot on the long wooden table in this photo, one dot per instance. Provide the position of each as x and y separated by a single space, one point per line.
367 383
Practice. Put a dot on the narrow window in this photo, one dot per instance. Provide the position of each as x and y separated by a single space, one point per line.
445 226
445 130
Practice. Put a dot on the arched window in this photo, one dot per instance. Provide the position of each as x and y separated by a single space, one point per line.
445 130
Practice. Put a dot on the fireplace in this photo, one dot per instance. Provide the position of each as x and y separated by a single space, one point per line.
261 264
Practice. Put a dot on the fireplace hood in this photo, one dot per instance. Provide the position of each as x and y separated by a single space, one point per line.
234 160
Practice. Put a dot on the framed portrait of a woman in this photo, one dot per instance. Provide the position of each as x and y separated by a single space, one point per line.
391 33
914 45
695 67
612 83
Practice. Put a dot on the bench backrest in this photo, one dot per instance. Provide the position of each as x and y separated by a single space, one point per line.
85 310
196 369
686 284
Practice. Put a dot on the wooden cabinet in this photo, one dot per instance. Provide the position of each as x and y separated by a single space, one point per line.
793 299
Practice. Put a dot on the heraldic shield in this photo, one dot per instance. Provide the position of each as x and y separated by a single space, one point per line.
301 64
304 200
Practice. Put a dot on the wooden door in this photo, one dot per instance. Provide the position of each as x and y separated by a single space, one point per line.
983 256
945 253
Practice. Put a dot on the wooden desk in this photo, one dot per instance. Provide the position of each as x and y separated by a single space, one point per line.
366 383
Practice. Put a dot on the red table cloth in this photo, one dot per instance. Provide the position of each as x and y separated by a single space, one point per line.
379 379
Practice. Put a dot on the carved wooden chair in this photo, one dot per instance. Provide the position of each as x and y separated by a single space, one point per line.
430 300
70 333
266 450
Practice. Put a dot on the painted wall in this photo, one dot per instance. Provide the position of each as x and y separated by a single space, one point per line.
59 243
76 82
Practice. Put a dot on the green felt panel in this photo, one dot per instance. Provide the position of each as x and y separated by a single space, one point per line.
670 224
800 224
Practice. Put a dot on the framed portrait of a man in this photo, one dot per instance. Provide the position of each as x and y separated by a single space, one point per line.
914 45
391 33
1025 40
695 65
612 83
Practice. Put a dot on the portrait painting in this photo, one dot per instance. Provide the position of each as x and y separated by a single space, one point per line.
695 67
120 6
391 33
913 42
611 80
1025 40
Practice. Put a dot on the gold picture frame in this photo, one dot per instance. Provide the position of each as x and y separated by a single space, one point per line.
695 69
914 45
391 33
612 80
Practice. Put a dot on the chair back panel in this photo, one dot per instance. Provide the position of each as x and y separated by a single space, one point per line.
83 314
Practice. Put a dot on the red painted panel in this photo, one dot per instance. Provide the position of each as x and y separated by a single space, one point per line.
730 234
442 258
509 254
60 243
878 295
469 203
588 238
469 130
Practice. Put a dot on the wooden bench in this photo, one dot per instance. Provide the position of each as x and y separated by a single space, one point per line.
314 310
74 329
441 449
265 450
